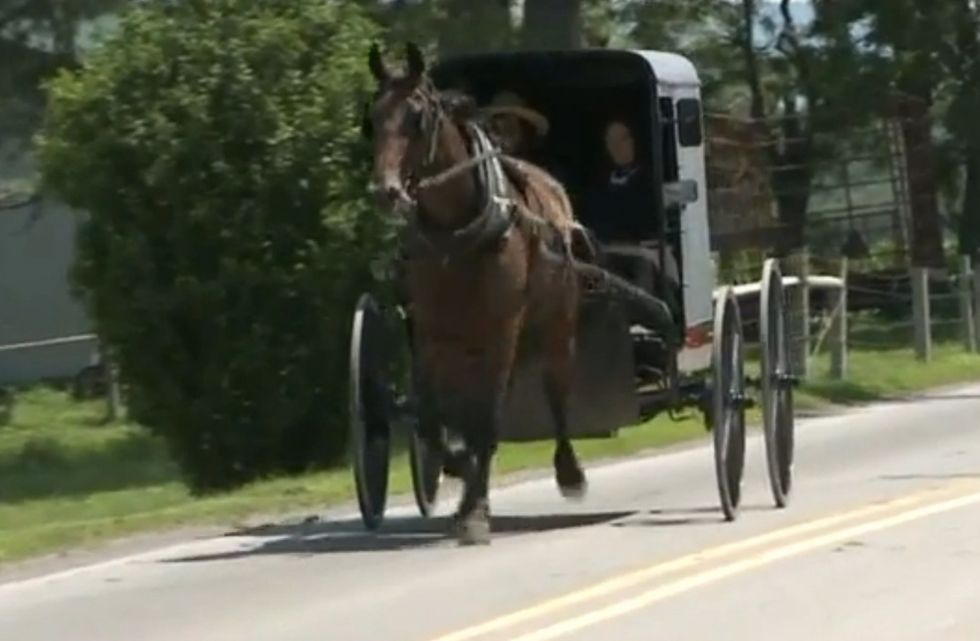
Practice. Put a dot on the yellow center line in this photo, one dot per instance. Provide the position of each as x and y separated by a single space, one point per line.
763 558
631 579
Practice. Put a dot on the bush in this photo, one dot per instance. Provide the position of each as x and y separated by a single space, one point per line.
215 148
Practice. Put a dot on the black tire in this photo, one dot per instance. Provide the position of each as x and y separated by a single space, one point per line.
426 474
728 411
425 463
370 424
777 387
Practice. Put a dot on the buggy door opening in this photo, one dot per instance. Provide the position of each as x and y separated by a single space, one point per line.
580 94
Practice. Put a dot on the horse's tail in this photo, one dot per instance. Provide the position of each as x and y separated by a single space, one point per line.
647 309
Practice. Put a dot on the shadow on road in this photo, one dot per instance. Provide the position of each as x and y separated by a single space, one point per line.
348 536
682 516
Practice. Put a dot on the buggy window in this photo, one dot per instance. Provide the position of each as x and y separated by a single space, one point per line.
689 132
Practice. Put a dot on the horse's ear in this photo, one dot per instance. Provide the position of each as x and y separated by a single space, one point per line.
460 106
416 61
377 65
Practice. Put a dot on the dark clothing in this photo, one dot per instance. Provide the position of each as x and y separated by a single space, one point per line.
546 163
620 208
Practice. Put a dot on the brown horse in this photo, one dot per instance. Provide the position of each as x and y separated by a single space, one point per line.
488 260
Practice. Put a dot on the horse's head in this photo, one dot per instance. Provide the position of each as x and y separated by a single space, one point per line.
405 123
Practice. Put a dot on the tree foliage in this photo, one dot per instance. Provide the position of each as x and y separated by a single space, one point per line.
37 37
467 26
216 150
706 31
927 50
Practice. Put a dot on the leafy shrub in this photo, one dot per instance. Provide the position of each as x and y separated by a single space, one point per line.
215 149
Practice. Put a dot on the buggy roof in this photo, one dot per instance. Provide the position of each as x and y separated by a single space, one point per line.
587 67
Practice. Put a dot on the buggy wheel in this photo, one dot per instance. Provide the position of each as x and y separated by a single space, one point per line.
426 473
369 412
728 407
425 461
777 385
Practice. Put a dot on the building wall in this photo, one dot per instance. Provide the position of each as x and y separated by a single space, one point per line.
36 252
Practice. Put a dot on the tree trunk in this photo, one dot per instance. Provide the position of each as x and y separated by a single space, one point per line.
751 60
472 27
927 233
969 231
792 174
552 24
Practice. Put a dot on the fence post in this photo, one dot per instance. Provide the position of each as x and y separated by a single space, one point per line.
838 332
113 395
966 304
920 313
799 314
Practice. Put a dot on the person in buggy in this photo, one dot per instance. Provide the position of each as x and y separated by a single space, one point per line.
519 130
620 213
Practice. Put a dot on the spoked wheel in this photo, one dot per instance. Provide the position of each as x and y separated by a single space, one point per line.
728 411
777 384
370 405
424 460
426 474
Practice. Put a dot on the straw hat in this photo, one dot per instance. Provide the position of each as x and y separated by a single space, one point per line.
508 102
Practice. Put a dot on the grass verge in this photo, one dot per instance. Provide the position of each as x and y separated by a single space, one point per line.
67 480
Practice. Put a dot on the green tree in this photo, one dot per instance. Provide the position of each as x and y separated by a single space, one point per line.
552 24
469 27
38 37
215 148
706 31
754 54
451 26
913 50
960 53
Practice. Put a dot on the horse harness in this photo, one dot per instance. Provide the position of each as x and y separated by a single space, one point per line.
491 226
499 212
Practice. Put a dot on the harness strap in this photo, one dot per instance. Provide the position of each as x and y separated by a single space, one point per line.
493 223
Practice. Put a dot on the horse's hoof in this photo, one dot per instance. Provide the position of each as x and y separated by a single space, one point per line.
472 529
572 483
474 532
574 492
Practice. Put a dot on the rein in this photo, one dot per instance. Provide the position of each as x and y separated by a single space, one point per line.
524 214
457 169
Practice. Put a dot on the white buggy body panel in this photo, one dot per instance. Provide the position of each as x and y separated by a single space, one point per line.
676 79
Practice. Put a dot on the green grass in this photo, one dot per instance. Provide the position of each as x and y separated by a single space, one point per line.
66 479
882 374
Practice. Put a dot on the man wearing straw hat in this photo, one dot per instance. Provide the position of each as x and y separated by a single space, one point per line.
519 131
517 128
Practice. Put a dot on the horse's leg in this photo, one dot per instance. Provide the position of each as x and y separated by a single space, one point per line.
481 415
472 519
430 421
559 355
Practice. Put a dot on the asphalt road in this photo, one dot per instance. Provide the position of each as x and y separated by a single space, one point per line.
879 543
